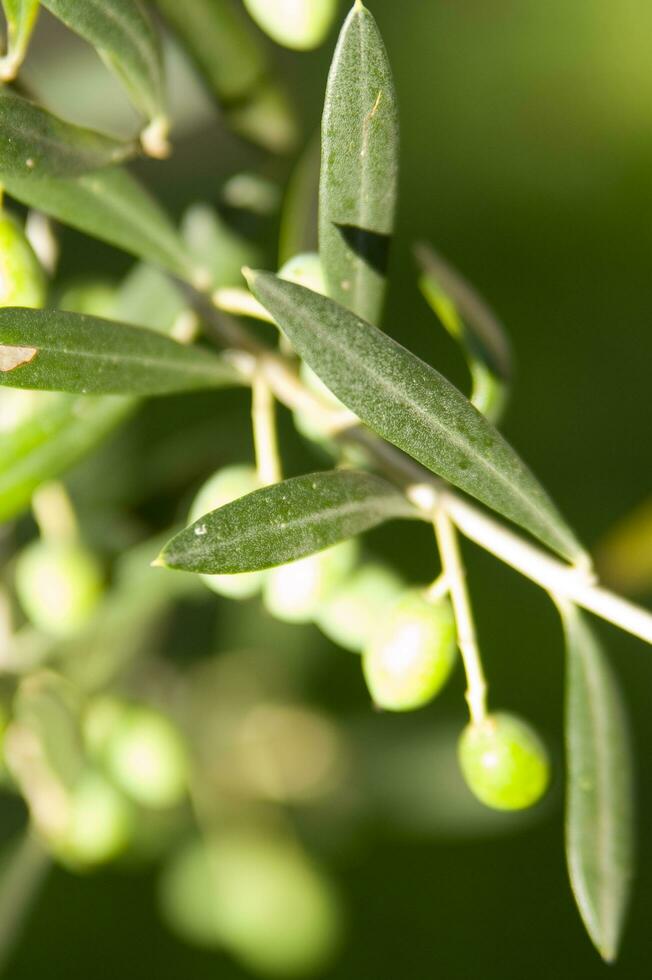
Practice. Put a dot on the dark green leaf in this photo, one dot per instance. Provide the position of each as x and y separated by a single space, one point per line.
21 18
35 142
113 206
412 406
473 325
599 819
286 521
53 350
359 168
124 37
232 62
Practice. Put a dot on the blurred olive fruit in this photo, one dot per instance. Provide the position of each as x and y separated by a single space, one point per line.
146 757
102 719
350 616
22 280
299 24
259 896
305 269
504 762
95 297
59 585
295 592
411 653
98 826
224 486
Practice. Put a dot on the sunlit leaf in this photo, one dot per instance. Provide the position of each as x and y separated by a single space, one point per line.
21 18
411 405
286 521
470 322
113 206
87 355
359 168
124 37
232 63
35 142
599 819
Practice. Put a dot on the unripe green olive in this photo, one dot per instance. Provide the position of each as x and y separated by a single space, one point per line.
95 297
59 585
22 280
305 269
411 652
295 592
350 616
98 826
299 24
146 757
504 762
259 896
223 487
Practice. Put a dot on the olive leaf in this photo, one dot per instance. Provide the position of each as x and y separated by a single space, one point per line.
88 355
233 65
36 142
300 211
474 326
359 167
286 521
113 206
21 17
124 37
599 818
411 405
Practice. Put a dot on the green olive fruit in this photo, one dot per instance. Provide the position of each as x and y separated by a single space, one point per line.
504 762
224 486
306 270
95 297
259 896
350 615
59 585
146 757
102 719
298 24
411 652
22 280
98 826
295 592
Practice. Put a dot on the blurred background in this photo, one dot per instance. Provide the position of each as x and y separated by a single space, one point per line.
526 159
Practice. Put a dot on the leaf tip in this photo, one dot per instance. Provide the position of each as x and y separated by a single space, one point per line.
158 562
249 275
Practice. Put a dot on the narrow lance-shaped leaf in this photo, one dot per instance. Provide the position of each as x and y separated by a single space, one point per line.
113 206
474 326
124 37
36 142
232 63
359 168
21 18
411 405
53 350
286 521
599 818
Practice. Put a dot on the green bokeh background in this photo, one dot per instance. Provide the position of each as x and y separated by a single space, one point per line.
527 159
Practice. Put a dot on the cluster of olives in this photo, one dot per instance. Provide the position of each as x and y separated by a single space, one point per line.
407 643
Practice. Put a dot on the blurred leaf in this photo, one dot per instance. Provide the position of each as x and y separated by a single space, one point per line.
470 322
298 24
359 168
35 142
251 192
599 817
411 405
624 556
113 206
299 216
86 355
232 62
286 521
148 298
215 246
21 18
125 39
24 866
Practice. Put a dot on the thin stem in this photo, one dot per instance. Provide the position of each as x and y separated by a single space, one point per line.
53 512
438 589
451 559
263 418
22 875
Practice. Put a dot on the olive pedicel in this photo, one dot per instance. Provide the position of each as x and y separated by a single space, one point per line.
504 762
411 653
